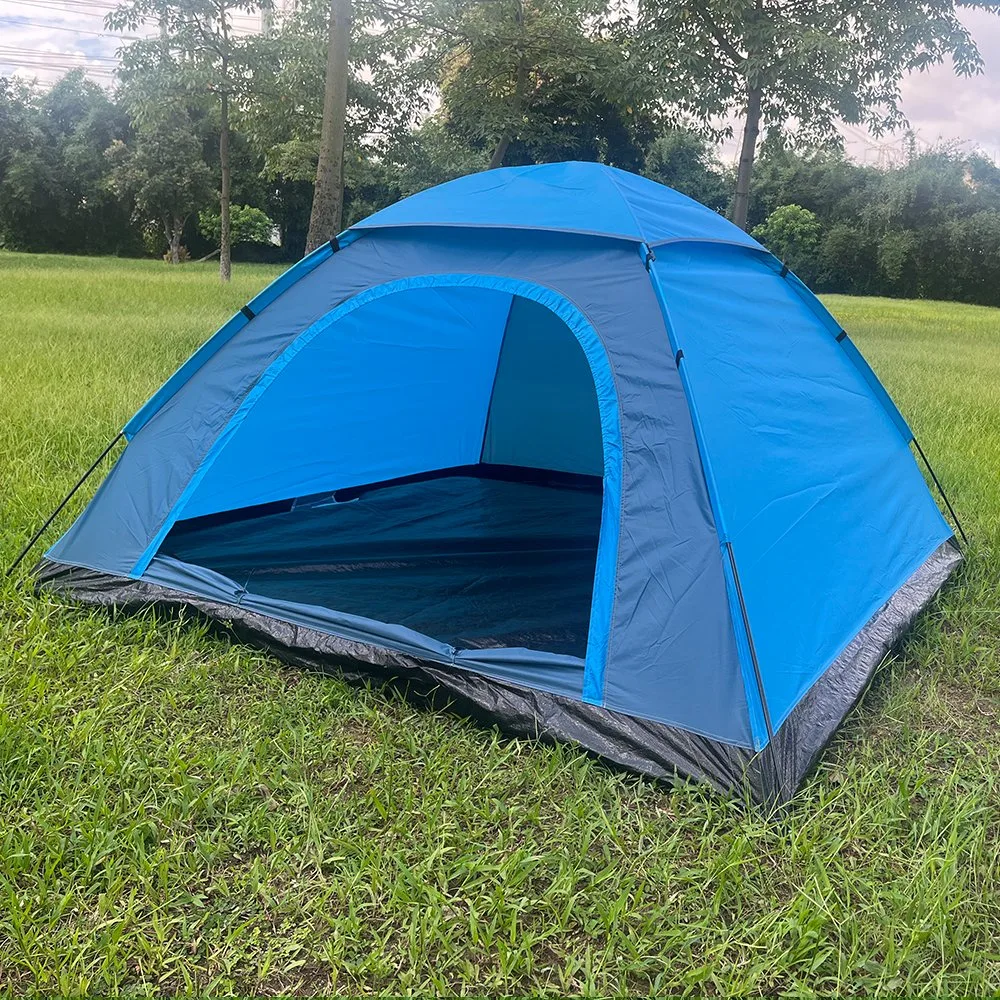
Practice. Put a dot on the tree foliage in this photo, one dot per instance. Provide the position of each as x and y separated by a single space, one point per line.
929 228
537 75
439 88
162 172
249 225
197 53
389 87
796 68
53 194
682 160
792 233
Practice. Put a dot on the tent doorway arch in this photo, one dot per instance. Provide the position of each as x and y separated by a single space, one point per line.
432 454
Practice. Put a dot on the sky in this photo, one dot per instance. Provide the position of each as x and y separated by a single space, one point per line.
42 39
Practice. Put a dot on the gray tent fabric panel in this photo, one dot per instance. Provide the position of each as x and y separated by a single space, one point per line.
544 411
672 653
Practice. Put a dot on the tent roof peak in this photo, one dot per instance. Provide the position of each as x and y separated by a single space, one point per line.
574 197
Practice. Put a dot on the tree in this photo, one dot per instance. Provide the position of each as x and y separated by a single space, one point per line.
408 55
792 233
682 160
196 53
247 225
388 84
53 174
532 74
163 174
790 66
847 261
328 196
974 258
823 180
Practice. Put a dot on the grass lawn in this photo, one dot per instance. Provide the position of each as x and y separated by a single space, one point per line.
179 813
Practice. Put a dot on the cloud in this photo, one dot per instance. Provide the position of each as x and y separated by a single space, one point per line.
39 40
943 106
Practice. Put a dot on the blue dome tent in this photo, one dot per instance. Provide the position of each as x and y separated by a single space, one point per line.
558 441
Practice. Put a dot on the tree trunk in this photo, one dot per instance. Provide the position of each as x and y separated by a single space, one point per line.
225 254
176 232
225 257
751 129
515 112
328 196
517 101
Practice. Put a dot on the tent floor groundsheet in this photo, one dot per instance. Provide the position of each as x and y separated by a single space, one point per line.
474 562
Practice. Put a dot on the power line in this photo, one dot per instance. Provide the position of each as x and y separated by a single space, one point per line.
100 66
100 8
58 64
89 71
25 53
9 19
60 8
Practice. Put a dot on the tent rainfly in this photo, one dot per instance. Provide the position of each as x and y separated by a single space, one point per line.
558 441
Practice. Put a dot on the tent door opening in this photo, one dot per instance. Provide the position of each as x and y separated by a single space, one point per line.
433 461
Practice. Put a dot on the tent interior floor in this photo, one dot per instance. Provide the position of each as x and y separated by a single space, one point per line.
468 558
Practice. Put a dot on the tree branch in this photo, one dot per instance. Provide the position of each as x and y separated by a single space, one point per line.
717 34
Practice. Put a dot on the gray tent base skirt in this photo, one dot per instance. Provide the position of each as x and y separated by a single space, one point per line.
769 778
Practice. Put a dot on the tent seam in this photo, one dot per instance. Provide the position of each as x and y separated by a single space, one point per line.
628 206
719 523
496 375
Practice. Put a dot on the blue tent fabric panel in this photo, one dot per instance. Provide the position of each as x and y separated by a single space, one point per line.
818 493
395 387
571 197
543 413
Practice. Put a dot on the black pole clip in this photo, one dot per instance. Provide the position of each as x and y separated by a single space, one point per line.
650 256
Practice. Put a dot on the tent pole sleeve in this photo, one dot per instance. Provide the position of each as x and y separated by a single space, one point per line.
65 500
678 353
940 488
753 649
